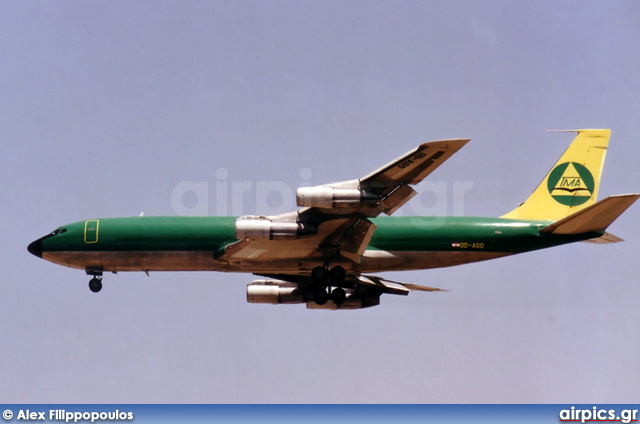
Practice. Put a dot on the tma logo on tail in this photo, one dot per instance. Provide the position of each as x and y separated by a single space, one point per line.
570 184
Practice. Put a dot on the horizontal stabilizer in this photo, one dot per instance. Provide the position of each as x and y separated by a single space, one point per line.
606 238
596 217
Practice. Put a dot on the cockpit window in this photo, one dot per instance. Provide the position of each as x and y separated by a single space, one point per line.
58 231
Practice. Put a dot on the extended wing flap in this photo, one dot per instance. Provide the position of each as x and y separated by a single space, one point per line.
396 199
357 240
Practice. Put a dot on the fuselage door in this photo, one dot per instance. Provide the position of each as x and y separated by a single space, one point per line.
91 231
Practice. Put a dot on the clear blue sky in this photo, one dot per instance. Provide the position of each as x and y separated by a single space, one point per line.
105 107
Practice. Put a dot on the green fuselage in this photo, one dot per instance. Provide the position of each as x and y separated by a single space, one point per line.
194 243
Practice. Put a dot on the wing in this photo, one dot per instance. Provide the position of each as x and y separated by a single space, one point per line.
357 286
391 287
384 190
362 282
361 291
333 221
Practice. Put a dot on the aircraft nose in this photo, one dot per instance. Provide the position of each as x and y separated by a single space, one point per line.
35 248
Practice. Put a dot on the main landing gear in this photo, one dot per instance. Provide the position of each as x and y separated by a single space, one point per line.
329 285
95 284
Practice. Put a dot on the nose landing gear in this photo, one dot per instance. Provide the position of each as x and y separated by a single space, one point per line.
95 284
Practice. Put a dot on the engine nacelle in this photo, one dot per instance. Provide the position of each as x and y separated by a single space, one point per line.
273 292
330 197
262 228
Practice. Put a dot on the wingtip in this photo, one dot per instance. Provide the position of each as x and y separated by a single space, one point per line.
582 130
447 140
417 287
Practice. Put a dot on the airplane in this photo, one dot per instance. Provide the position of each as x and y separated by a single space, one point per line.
323 254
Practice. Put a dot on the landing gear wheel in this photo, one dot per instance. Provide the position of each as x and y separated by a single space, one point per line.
338 296
337 275
95 285
318 274
320 296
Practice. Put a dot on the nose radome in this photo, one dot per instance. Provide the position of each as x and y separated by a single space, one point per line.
35 248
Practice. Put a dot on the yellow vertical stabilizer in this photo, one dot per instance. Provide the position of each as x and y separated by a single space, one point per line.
573 182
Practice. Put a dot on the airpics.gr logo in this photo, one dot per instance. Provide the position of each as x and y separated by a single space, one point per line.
570 184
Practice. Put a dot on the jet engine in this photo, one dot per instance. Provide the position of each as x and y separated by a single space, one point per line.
273 292
263 228
331 197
